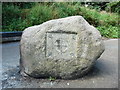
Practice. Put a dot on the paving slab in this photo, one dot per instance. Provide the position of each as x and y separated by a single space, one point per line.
104 74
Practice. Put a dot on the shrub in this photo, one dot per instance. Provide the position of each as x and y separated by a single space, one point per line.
109 31
12 18
113 7
39 14
9 13
21 5
97 18
90 15
65 10
99 6
17 18
108 19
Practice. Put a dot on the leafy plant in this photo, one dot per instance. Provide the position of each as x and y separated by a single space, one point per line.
109 31
52 78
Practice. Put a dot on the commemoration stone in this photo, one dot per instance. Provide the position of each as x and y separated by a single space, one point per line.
60 45
64 48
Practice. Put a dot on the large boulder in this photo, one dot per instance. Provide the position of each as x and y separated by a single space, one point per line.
63 48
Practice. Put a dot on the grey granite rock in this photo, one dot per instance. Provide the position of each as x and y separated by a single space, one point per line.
64 48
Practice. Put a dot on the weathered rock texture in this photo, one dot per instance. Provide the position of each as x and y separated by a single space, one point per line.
64 48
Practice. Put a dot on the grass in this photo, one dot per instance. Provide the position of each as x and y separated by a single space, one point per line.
17 19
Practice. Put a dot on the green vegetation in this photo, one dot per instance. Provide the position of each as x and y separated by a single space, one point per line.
18 16
109 31
113 7
39 14
52 78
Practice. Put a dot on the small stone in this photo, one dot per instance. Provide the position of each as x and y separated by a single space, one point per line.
51 83
12 77
68 84
6 75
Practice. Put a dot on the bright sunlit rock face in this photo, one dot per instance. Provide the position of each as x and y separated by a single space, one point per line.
64 48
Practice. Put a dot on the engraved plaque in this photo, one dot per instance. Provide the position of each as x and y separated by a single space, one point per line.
61 45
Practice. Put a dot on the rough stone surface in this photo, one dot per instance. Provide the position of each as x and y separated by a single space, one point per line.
64 48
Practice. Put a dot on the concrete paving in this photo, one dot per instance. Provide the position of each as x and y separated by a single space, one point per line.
103 75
